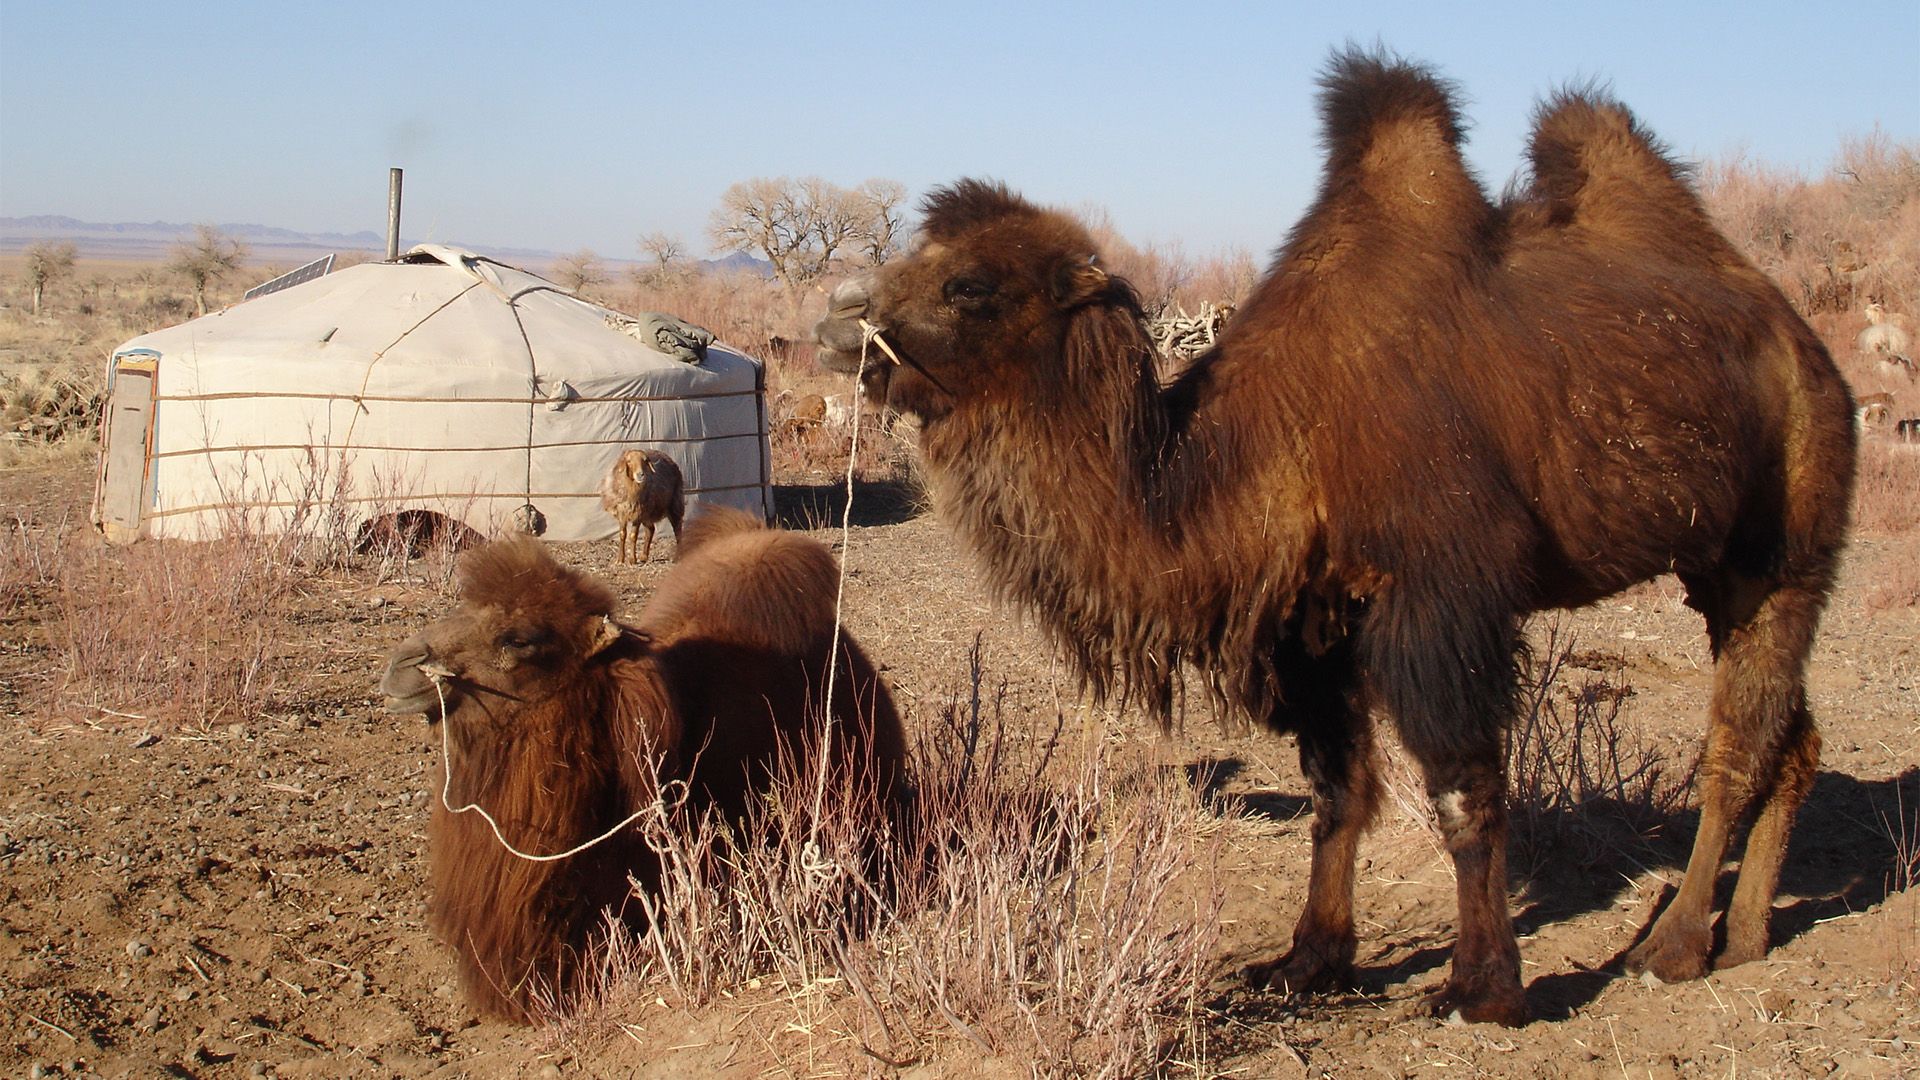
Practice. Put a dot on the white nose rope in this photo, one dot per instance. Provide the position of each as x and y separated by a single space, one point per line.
814 861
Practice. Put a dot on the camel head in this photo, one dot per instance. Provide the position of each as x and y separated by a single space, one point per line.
978 310
526 629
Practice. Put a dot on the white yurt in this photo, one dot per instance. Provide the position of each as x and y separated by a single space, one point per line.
442 381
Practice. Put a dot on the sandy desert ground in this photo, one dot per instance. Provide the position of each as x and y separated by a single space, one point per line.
245 896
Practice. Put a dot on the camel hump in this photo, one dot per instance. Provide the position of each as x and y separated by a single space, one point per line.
1365 94
519 573
1393 133
715 523
1595 165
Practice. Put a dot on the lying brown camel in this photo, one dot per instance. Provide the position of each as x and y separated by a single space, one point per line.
561 723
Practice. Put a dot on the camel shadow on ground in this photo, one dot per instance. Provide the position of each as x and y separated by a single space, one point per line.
821 506
1844 857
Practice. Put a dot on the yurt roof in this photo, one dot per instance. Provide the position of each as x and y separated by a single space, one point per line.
437 305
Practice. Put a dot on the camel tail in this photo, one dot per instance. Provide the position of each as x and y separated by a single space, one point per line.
1595 165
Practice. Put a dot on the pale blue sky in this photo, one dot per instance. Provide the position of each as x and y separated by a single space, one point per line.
561 125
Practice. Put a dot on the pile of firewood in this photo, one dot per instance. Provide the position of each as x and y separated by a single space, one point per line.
1179 337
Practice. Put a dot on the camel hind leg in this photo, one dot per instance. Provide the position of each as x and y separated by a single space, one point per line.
1762 753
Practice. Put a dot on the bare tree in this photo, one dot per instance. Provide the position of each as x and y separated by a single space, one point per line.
669 259
207 260
808 228
47 262
581 270
886 219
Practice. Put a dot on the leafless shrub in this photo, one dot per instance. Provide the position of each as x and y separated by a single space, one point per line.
1835 241
190 632
1581 781
1042 908
1576 774
30 558
1902 829
169 631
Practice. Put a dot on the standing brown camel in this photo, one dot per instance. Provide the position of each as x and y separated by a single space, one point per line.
642 488
1434 416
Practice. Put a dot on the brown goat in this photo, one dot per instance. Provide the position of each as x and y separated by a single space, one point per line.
643 487
1434 416
561 722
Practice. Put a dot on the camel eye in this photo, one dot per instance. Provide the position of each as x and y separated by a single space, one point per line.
523 641
969 291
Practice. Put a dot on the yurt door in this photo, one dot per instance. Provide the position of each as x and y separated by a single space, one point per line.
124 489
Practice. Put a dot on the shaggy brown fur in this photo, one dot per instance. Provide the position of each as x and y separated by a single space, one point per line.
1434 416
561 722
642 488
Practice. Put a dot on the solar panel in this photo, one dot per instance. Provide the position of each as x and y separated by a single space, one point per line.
305 273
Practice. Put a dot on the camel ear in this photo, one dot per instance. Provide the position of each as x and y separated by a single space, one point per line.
1077 280
604 635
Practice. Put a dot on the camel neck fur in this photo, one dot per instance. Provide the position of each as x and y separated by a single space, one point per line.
1093 501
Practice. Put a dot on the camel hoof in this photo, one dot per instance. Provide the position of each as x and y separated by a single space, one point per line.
1671 958
1464 1005
1302 971
1737 953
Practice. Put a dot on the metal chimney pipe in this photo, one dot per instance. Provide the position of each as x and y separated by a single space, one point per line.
393 214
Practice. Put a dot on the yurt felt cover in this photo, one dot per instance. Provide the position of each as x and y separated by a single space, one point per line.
445 381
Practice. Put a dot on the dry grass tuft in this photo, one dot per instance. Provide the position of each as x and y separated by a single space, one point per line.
171 632
1883 498
1897 584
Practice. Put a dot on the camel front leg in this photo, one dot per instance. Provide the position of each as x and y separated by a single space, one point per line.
1321 702
1484 985
1451 684
1346 792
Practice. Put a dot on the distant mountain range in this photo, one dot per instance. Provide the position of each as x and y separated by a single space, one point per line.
155 241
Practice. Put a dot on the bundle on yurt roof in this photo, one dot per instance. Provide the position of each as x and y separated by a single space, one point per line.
443 381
